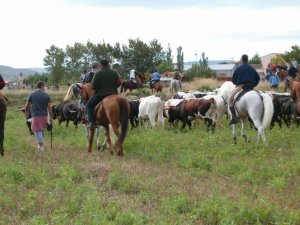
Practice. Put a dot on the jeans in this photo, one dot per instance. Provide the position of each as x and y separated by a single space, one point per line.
90 107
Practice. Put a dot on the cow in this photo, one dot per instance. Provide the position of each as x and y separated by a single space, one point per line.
134 113
150 108
192 109
66 111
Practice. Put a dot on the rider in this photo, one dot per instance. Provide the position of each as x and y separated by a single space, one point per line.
89 75
243 75
177 77
2 82
292 73
105 82
132 74
155 77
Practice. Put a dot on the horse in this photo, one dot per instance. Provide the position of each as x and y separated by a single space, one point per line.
256 105
3 109
295 88
74 91
157 86
130 84
174 86
288 83
113 110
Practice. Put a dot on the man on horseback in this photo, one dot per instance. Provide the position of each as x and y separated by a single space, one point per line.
244 75
133 75
105 82
89 76
292 73
155 77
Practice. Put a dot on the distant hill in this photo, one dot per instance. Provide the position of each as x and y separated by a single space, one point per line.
9 73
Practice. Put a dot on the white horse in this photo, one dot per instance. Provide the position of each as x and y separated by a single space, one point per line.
256 105
174 86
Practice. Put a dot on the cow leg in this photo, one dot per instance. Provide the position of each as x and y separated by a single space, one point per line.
29 127
67 124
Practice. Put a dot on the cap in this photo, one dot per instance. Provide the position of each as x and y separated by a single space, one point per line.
95 64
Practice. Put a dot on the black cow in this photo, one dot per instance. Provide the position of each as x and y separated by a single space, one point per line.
134 113
66 111
190 109
284 108
28 120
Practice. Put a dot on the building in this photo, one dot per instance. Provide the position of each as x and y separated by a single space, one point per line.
223 71
265 60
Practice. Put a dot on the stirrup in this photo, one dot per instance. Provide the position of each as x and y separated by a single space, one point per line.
233 121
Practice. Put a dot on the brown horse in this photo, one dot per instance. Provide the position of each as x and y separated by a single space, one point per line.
295 88
3 108
130 84
114 111
156 87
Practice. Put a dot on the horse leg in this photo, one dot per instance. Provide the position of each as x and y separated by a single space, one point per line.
243 129
91 137
1 137
117 144
234 133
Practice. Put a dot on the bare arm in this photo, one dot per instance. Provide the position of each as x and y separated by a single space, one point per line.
50 111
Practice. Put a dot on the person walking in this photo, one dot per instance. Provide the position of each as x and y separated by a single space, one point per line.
244 76
274 80
105 82
39 105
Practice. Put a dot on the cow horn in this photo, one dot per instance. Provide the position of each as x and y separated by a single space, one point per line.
72 111
22 109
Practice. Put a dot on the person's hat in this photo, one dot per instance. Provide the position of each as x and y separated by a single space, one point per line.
95 64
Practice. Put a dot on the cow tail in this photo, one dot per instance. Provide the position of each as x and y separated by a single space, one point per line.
124 116
268 110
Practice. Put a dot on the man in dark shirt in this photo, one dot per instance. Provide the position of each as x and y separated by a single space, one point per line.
243 75
105 82
38 104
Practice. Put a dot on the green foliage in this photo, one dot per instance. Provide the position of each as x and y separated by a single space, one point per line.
180 59
294 53
255 59
200 70
164 67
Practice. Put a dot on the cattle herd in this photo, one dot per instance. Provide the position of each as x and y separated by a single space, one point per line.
184 107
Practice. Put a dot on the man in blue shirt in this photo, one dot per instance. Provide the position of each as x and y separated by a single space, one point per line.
155 77
243 75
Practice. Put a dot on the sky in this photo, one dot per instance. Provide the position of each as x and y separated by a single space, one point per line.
219 28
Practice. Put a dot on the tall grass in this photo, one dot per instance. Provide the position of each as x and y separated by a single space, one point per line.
166 177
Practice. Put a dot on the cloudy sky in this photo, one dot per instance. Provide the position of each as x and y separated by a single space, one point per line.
222 29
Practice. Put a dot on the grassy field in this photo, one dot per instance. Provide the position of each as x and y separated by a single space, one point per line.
166 176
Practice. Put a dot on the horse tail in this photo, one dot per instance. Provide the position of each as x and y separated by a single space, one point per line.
123 86
268 110
69 93
124 116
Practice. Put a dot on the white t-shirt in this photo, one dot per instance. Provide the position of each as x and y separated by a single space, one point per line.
132 74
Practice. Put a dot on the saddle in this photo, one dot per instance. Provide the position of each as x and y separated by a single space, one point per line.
246 88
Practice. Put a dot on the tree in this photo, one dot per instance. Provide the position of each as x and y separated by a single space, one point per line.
164 67
294 53
75 60
169 57
180 59
255 59
54 62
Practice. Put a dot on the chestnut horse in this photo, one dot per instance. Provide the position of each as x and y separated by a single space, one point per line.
130 84
157 86
3 108
114 111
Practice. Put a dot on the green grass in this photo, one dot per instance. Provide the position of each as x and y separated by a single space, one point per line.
165 177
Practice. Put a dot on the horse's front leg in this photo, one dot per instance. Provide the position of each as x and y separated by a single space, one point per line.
234 133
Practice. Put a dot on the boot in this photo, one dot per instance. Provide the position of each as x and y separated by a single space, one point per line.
234 119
